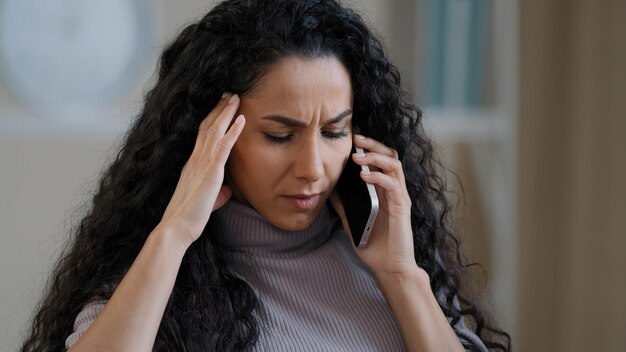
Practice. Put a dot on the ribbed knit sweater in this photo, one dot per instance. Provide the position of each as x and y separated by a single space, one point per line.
314 292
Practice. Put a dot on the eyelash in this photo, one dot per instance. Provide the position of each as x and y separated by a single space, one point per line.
285 139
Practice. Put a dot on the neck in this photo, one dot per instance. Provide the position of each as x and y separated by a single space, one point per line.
242 228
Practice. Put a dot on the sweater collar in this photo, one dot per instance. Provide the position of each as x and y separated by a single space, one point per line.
242 228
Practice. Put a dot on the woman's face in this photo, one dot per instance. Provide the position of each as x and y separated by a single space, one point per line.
296 140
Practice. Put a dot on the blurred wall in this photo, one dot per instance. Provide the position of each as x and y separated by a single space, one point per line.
572 180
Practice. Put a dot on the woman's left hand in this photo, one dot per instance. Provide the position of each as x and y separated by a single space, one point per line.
389 249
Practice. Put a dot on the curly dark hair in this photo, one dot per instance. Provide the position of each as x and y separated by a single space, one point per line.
210 308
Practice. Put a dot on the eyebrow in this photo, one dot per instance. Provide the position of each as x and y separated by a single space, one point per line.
291 122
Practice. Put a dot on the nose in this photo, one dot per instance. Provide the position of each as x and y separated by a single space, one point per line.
308 164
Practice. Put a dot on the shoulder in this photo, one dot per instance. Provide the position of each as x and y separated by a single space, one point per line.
84 319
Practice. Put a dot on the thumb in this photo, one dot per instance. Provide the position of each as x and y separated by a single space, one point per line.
222 197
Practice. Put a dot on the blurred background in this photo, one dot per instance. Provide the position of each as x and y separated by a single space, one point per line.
525 101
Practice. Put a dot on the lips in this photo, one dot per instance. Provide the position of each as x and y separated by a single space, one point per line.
303 201
303 195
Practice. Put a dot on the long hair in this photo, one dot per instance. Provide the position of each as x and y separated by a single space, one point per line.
210 308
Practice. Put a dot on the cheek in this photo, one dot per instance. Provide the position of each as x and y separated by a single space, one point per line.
253 160
339 157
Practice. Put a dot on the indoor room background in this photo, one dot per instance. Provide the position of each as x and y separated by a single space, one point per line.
524 99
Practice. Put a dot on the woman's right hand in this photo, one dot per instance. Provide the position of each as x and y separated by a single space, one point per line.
200 190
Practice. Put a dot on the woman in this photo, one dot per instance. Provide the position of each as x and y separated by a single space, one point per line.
218 227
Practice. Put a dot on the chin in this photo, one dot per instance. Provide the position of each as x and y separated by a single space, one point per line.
292 222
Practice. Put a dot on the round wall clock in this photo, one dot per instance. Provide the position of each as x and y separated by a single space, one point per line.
69 59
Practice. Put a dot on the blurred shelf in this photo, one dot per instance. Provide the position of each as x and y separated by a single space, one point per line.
484 125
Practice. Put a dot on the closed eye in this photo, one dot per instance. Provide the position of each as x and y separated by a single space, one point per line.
284 139
334 135
278 139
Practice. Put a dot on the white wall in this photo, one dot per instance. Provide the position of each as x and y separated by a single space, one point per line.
47 172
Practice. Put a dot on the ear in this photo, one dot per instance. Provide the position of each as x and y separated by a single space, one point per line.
222 197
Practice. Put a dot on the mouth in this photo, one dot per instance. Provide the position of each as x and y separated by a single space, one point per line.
303 201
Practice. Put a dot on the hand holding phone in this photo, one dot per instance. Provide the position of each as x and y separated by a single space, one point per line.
359 200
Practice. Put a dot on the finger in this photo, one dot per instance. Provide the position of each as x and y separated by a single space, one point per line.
382 162
226 143
210 118
396 190
218 128
374 146
224 118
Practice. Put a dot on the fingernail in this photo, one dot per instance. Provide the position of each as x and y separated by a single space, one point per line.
232 99
226 95
358 155
365 172
239 119
358 136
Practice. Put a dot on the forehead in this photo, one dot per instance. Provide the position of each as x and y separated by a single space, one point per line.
302 84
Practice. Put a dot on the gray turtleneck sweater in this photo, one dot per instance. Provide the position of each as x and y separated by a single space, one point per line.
314 292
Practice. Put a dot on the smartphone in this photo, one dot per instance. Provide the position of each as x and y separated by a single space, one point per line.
359 200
